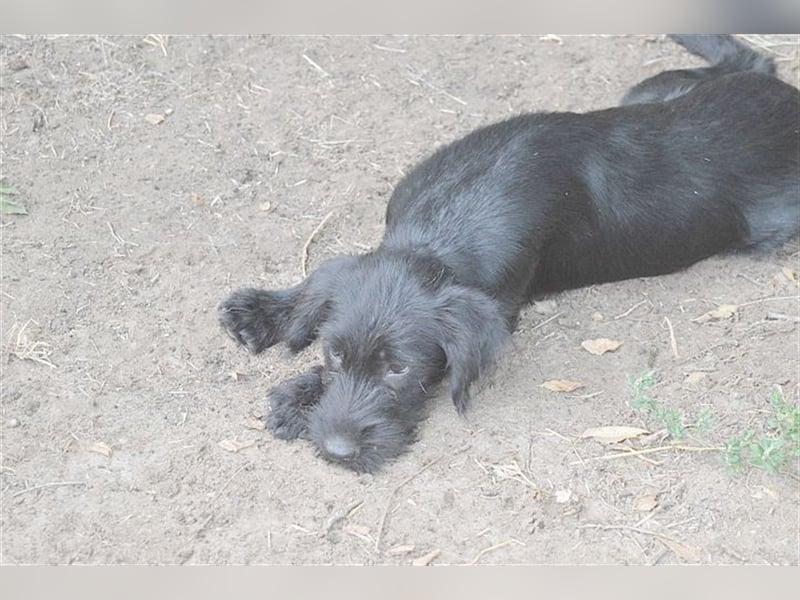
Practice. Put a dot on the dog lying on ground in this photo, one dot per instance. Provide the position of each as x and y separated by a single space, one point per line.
695 162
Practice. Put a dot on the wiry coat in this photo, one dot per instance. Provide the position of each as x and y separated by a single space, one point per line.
694 163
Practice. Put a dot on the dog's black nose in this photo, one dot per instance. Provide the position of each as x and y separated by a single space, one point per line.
340 447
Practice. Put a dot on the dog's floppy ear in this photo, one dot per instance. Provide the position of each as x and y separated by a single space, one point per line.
314 301
471 333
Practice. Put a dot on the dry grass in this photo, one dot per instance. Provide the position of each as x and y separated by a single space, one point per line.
784 47
503 472
25 345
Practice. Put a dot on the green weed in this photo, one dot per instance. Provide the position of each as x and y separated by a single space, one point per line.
643 402
775 448
8 207
771 451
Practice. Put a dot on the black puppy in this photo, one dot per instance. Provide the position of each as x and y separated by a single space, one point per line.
697 162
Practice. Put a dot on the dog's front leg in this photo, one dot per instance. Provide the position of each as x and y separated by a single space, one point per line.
291 403
258 319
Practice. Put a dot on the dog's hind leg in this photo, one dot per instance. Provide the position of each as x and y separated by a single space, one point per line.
775 219
291 401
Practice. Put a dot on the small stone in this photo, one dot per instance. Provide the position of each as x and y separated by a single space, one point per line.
12 423
563 496
545 307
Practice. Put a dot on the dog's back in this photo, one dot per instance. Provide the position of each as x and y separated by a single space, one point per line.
537 203
725 55
668 184
550 201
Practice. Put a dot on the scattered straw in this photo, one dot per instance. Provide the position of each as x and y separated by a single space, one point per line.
503 472
231 478
316 66
625 453
769 44
770 299
680 549
546 321
336 518
772 316
630 310
424 561
387 49
317 229
25 346
673 343
493 548
158 41
46 485
382 525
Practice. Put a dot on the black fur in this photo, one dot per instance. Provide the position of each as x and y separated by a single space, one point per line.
726 55
696 162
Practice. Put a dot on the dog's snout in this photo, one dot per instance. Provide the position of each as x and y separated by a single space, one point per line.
340 447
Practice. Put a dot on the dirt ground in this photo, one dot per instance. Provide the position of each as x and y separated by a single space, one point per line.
160 173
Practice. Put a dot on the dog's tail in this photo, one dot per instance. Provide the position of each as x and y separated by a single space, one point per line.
725 53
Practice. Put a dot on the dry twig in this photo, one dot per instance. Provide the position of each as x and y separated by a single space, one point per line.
46 485
382 525
317 229
493 548
626 452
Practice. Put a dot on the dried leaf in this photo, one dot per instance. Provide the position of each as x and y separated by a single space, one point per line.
253 423
723 311
695 377
682 551
601 345
562 385
645 503
771 492
424 561
154 119
613 434
102 448
235 445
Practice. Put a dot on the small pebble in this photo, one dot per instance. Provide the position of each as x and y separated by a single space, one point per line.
545 307
13 423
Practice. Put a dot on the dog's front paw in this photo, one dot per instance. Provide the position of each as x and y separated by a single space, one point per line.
291 402
255 318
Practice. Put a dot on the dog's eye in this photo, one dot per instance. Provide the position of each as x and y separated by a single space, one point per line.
396 371
336 356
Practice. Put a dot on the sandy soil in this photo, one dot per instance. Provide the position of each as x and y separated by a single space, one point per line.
160 173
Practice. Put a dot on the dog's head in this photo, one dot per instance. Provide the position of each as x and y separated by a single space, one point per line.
392 326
